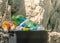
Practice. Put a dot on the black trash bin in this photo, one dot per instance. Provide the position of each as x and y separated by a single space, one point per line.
31 36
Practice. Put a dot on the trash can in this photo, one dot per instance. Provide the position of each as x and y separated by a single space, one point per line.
31 36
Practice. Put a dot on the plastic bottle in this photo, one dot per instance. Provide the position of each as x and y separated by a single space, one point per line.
39 28
13 26
21 18
18 19
29 23
24 23
26 29
6 26
18 28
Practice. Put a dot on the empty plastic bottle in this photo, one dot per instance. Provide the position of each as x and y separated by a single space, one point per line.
18 19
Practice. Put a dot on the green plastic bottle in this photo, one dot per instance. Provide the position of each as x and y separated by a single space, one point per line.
18 19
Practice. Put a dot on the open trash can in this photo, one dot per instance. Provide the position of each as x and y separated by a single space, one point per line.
31 36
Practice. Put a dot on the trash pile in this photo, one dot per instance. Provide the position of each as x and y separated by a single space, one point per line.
21 23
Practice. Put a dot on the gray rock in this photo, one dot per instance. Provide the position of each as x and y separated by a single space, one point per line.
54 37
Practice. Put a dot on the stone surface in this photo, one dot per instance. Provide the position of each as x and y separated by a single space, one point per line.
34 11
3 36
54 37
53 21
18 7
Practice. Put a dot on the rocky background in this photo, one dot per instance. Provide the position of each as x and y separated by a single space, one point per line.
34 11
54 37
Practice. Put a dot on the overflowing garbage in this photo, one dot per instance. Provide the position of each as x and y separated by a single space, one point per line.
21 23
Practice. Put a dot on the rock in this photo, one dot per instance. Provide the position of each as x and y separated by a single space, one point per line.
53 21
54 37
3 36
34 11
18 7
